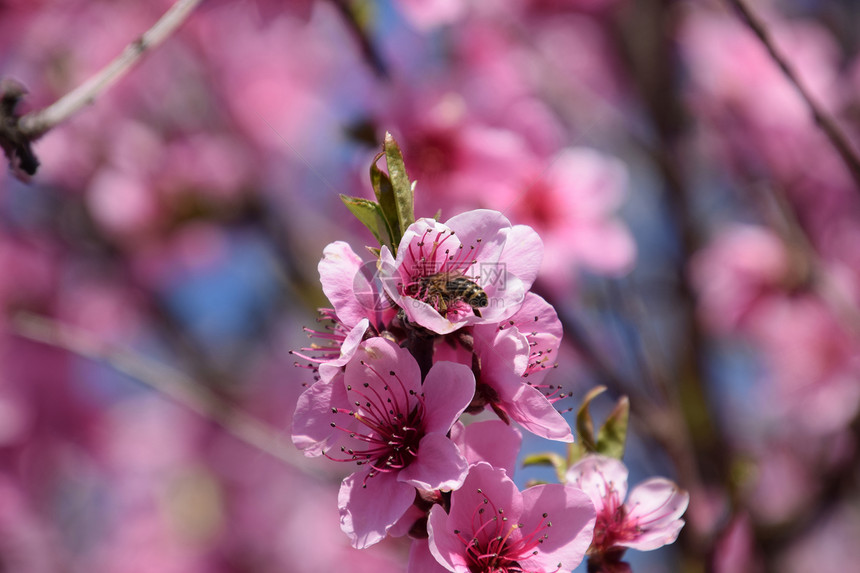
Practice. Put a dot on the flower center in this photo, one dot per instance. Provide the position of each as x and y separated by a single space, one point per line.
439 274
393 418
497 545
613 525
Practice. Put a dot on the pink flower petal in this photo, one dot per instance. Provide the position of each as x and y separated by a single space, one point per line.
369 507
595 474
448 389
439 465
490 441
340 276
656 504
311 430
572 516
421 560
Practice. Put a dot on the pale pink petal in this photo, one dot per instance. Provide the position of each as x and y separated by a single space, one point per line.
311 430
501 352
421 560
522 254
484 229
444 545
370 506
490 441
439 465
572 516
534 412
448 388
596 475
340 276
656 505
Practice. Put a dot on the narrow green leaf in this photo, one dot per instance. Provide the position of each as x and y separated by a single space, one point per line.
385 195
613 434
584 423
403 192
369 213
548 459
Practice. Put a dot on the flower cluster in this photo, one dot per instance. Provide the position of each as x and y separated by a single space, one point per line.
446 325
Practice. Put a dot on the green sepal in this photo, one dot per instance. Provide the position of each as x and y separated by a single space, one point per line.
548 459
584 423
613 434
371 216
404 193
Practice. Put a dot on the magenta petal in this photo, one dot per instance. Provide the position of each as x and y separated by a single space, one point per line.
439 465
448 389
572 516
490 441
596 475
421 560
656 506
369 507
311 430
340 276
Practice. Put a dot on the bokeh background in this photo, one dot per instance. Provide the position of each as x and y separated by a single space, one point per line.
702 249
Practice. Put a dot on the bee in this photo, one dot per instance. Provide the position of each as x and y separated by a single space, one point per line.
446 287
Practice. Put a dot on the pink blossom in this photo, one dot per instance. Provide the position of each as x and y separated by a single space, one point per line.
515 356
426 14
573 204
480 247
651 517
358 306
380 416
490 441
740 266
493 527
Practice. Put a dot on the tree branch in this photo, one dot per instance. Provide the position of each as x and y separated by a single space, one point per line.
35 124
165 380
824 120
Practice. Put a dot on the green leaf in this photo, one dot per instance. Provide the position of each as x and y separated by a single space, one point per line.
403 191
548 459
370 214
584 423
613 434
387 201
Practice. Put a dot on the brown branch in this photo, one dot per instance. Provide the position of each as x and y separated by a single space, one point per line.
16 133
165 380
824 120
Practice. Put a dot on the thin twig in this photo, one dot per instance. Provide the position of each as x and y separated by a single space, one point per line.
824 120
165 380
37 123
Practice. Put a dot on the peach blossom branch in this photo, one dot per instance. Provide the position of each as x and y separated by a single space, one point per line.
165 380
824 120
35 124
